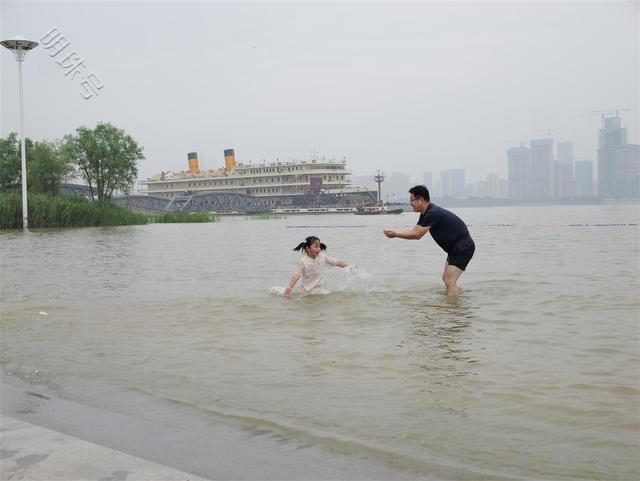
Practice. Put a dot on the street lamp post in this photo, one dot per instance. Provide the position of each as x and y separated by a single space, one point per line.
379 178
20 46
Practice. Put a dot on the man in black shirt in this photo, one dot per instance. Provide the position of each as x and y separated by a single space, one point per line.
447 229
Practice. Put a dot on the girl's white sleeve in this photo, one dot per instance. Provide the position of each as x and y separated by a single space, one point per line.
299 270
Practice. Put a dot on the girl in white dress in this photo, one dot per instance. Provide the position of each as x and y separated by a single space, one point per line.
309 267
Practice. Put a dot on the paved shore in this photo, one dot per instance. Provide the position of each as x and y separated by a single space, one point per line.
30 452
45 438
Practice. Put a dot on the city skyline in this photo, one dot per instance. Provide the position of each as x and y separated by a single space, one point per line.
536 172
444 84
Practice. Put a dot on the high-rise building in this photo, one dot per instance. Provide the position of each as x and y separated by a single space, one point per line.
610 137
520 174
445 183
396 187
503 189
427 180
492 185
584 178
542 168
475 189
453 183
437 190
564 182
627 171
458 183
493 188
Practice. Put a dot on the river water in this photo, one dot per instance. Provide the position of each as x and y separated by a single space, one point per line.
533 373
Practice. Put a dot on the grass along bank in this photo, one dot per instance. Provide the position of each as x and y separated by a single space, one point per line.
173 217
59 211
62 211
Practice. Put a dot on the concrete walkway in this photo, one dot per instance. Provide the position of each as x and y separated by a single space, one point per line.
45 438
34 453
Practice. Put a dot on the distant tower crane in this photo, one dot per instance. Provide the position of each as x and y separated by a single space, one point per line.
602 113
548 132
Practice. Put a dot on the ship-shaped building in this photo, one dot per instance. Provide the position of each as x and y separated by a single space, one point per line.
277 185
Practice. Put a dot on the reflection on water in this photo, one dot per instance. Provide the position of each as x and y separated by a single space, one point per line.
438 338
531 373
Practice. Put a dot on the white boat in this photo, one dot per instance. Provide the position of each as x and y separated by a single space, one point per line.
377 210
313 210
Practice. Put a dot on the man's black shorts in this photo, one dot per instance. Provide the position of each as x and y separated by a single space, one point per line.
460 257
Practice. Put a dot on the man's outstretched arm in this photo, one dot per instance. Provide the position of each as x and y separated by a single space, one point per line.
414 234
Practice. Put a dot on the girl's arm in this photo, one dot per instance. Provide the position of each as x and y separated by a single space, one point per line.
294 279
336 262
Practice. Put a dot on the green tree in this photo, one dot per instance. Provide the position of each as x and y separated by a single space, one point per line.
47 168
10 168
106 158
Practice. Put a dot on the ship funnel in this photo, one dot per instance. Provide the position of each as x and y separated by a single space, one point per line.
229 159
193 162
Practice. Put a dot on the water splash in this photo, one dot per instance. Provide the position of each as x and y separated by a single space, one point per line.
278 291
348 279
353 279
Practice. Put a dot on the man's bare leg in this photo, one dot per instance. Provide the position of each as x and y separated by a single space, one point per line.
450 278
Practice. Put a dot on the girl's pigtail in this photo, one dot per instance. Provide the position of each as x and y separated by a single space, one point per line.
323 247
299 246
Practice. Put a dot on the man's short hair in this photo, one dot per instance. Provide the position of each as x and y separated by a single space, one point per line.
420 191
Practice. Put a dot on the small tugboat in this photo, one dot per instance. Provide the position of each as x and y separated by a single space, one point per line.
372 209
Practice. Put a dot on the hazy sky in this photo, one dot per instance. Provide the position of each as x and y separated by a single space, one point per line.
407 87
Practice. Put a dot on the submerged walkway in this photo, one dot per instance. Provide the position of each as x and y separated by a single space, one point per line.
45 438
34 453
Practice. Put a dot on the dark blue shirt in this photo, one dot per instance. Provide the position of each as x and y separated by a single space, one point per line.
446 228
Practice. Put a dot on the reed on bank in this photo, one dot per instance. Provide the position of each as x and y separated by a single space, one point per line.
176 217
59 211
266 216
